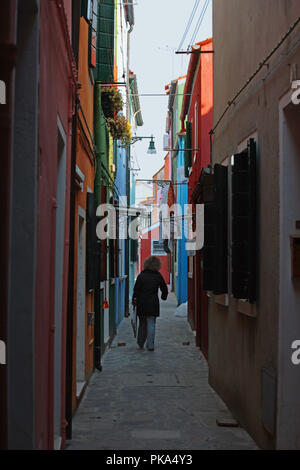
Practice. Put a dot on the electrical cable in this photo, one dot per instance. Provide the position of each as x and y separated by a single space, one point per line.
195 7
191 43
164 94
196 4
199 23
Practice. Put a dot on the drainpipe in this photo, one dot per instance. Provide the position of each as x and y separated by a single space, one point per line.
70 308
71 111
127 71
70 304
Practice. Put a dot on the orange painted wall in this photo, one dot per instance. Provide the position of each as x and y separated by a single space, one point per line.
86 164
85 76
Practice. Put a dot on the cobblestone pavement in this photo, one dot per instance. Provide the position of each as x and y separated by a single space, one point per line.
154 400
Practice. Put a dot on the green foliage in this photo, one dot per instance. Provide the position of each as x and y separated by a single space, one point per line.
120 129
111 100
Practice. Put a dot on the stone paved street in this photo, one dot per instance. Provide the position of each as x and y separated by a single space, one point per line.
154 400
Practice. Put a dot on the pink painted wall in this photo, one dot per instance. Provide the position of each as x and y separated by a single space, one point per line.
56 100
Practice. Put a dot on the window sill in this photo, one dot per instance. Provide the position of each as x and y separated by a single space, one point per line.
221 299
245 307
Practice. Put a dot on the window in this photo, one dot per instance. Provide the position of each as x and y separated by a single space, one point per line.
157 248
195 130
190 266
244 224
188 154
92 245
133 242
215 250
93 34
87 9
105 43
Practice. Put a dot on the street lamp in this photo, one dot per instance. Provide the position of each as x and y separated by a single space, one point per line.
151 150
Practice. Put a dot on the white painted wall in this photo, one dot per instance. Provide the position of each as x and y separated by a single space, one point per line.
59 254
80 299
288 403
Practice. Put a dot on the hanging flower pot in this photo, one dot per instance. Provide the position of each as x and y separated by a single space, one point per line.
120 129
111 100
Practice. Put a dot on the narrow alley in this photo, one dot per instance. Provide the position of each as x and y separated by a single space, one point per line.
150 146
155 400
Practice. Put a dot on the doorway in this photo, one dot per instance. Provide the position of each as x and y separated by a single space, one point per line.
59 265
80 304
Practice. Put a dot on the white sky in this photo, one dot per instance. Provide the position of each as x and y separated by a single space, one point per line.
158 30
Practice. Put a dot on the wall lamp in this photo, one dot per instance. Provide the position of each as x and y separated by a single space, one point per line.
151 150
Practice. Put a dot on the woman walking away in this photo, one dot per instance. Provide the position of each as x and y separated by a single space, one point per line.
145 298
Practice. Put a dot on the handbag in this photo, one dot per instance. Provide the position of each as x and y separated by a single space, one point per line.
134 321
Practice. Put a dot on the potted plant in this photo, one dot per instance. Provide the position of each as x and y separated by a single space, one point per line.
120 129
111 100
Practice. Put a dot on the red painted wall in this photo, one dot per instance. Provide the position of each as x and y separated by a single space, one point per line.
146 251
56 99
203 96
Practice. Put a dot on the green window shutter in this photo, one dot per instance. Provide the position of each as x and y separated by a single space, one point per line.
215 256
221 191
133 244
244 225
105 41
189 143
92 247
188 154
134 250
186 166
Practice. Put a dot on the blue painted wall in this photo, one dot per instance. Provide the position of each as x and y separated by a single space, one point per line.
131 264
120 182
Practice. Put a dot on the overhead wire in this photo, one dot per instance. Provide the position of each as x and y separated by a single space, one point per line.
195 7
260 66
198 24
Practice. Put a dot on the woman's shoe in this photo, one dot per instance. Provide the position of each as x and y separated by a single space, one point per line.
150 349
